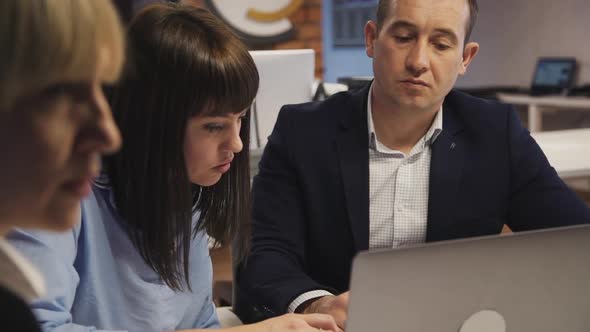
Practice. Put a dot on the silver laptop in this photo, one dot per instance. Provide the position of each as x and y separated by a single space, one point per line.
528 282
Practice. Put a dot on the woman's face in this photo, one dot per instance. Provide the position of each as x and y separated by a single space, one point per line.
51 142
210 143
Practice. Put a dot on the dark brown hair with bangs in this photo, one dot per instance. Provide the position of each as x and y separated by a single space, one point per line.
183 62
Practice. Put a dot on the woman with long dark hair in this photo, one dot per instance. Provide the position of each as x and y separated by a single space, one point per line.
139 258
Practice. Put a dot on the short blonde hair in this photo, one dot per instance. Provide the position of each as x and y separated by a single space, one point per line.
43 42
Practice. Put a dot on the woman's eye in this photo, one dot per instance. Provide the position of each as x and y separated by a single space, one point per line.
55 90
213 127
76 91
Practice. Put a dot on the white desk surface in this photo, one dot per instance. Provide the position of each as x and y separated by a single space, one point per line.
536 104
551 101
568 151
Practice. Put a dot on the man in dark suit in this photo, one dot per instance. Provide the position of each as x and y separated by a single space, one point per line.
405 160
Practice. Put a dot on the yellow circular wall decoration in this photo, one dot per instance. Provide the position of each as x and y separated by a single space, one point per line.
274 16
258 21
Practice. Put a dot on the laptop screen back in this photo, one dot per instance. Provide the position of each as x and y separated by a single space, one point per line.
525 282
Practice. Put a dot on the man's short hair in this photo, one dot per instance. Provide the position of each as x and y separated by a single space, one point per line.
384 5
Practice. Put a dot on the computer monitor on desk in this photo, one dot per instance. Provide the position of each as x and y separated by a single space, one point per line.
286 77
553 76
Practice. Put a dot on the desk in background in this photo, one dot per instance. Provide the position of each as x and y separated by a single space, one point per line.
568 151
538 104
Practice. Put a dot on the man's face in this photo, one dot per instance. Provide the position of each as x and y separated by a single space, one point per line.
419 52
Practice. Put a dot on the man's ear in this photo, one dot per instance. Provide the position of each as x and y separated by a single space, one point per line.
469 52
370 36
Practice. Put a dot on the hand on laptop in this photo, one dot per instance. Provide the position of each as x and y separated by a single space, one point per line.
298 323
335 306
286 323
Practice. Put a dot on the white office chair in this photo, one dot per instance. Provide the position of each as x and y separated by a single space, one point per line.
286 77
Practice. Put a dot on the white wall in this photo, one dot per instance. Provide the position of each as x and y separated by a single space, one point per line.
513 33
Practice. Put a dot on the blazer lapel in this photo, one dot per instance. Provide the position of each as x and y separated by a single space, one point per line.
353 153
446 168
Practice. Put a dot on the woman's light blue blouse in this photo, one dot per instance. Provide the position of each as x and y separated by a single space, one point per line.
97 281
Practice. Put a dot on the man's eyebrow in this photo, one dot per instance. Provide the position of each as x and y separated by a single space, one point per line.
403 25
448 33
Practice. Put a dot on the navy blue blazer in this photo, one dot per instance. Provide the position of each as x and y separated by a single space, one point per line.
311 197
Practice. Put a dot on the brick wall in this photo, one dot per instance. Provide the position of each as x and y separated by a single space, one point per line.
308 23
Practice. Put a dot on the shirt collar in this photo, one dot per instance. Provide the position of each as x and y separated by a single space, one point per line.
429 138
18 275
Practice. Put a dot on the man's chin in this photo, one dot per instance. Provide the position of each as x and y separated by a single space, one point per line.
416 105
420 103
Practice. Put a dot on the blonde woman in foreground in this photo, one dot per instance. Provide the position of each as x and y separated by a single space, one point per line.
54 125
